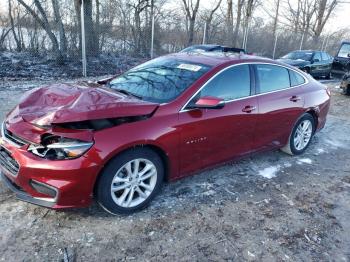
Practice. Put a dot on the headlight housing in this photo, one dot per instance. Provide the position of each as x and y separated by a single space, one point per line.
60 148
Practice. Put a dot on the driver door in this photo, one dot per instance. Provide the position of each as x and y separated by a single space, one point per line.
211 136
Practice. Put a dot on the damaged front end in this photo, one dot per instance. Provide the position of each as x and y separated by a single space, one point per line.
55 147
61 147
59 120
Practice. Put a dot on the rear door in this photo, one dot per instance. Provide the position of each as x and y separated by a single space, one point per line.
280 102
210 136
317 67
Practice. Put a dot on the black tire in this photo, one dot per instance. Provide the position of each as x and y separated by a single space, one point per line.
290 148
307 70
347 90
103 187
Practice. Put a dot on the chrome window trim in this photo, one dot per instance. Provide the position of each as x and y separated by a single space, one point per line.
183 108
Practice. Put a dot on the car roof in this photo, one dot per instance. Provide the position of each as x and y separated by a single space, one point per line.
215 59
309 51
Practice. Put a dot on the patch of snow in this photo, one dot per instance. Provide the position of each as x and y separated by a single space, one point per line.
320 151
269 172
305 161
336 143
250 254
209 193
287 164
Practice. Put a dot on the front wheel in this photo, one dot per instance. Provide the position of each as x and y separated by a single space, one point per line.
130 181
301 135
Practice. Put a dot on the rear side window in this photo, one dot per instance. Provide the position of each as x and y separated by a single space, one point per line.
324 56
344 50
295 78
272 78
231 84
317 56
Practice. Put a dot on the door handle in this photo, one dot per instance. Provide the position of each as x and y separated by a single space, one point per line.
295 98
249 109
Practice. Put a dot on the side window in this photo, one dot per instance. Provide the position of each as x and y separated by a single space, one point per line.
272 78
231 84
324 56
317 56
295 78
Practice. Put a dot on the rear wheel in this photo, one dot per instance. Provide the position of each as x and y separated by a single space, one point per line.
130 181
301 135
306 70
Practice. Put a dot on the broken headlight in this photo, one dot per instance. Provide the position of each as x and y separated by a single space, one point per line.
60 148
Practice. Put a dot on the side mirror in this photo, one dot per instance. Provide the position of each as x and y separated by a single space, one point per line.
208 102
315 60
349 55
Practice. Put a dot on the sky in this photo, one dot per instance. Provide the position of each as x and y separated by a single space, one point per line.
341 20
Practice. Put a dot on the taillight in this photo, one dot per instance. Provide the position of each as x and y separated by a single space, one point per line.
328 91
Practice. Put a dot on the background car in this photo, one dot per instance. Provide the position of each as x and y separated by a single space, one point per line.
163 120
315 63
212 48
341 61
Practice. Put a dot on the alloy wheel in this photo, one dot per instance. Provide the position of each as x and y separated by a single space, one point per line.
303 134
134 182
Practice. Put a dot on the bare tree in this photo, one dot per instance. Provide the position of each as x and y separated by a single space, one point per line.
58 19
13 29
42 19
209 15
275 21
324 9
240 5
191 15
92 46
124 26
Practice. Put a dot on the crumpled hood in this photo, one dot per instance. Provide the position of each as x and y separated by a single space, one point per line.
294 62
63 103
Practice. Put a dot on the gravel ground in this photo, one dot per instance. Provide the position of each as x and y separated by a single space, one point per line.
268 207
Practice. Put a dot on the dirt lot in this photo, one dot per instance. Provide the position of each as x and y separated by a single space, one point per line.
269 207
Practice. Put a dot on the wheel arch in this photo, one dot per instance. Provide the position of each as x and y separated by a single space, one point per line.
314 113
156 148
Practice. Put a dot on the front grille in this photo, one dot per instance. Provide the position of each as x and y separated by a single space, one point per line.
8 135
8 162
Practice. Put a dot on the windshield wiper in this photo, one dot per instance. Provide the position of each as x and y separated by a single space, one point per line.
123 91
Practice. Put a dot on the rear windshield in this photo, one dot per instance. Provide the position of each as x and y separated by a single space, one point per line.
160 80
344 50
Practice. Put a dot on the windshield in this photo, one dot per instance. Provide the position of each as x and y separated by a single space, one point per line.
306 56
160 80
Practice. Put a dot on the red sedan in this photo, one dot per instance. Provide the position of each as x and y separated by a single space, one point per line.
64 144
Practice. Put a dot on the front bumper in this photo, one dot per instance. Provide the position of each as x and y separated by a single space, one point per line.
22 195
54 184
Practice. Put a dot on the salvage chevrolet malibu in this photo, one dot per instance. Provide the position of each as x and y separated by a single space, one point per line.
66 144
